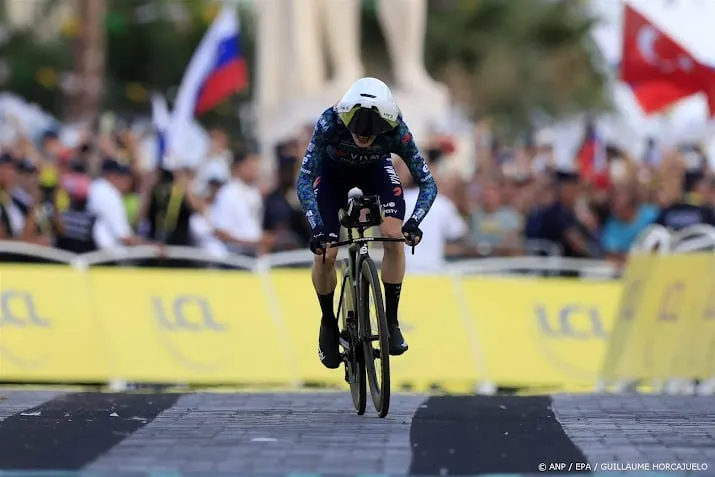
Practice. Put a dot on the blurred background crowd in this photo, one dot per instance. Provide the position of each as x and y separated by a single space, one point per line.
103 188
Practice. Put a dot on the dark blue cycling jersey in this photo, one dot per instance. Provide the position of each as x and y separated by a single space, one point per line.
332 141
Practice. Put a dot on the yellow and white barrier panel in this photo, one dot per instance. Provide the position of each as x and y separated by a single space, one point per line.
234 327
665 325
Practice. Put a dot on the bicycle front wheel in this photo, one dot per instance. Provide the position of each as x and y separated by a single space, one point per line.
374 331
355 362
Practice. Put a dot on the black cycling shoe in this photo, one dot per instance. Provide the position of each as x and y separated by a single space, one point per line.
398 345
328 350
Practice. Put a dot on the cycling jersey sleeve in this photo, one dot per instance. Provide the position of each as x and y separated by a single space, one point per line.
407 150
309 172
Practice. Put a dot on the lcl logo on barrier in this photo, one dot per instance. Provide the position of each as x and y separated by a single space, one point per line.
19 311
193 314
572 321
186 313
672 302
631 293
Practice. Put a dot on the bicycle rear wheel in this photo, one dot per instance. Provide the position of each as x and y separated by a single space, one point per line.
355 362
370 292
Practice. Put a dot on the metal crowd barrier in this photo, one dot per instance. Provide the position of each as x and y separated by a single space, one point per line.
586 268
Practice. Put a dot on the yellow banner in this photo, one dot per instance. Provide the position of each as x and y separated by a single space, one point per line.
47 329
189 326
541 332
666 323
229 327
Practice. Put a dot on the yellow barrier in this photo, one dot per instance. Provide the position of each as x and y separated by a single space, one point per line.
190 326
541 332
665 326
47 331
216 327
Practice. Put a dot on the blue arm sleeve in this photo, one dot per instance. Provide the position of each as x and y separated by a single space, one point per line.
307 175
407 150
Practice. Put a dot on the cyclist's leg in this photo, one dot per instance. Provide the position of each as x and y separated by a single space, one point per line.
386 184
328 189
329 194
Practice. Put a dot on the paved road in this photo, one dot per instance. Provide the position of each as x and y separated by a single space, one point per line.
319 433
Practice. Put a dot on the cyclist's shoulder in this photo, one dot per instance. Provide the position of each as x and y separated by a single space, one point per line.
327 122
401 136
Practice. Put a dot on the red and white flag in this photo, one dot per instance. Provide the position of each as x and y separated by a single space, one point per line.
659 70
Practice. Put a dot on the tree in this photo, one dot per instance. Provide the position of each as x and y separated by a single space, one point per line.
512 59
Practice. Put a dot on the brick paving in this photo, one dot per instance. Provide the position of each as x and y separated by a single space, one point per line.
277 434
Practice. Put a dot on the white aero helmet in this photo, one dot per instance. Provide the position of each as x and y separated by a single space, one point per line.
368 108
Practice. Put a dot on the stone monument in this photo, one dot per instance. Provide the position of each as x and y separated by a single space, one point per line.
292 83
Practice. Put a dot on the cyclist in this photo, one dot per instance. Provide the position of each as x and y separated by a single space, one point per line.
351 147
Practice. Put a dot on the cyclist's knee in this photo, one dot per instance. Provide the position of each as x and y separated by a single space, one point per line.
330 257
392 228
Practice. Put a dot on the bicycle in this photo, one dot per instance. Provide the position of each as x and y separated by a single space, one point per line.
359 281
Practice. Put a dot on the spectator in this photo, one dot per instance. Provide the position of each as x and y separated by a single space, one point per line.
442 227
202 230
171 206
284 222
555 222
218 158
495 227
628 218
104 200
238 211
683 204
75 225
14 213
42 212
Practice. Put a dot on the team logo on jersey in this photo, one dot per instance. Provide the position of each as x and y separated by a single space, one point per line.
392 174
397 191
406 138
316 182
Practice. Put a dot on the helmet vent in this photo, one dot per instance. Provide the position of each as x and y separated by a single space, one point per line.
365 95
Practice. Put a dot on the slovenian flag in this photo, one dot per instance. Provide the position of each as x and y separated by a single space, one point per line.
217 70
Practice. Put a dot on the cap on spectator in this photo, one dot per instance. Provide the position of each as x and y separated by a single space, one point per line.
166 175
240 155
564 176
6 158
113 166
286 162
77 165
27 167
50 134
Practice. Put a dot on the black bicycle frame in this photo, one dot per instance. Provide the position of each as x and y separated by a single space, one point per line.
357 252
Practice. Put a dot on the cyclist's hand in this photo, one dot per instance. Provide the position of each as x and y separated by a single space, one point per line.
318 241
412 233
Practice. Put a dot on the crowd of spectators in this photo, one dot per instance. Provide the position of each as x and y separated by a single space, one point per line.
96 196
